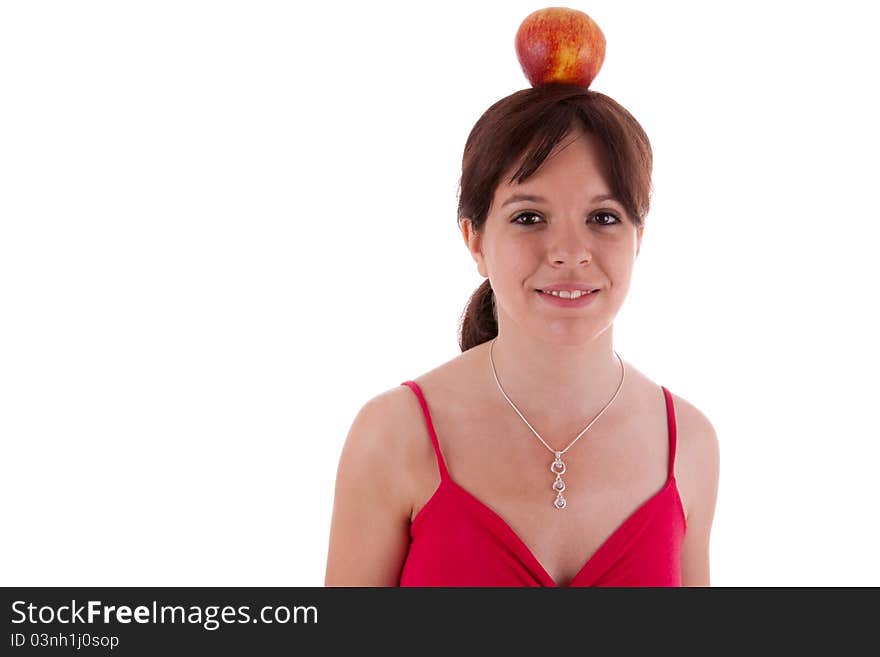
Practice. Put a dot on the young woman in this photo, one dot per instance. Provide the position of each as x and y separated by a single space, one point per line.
538 457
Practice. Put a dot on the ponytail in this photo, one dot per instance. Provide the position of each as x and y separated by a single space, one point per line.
479 323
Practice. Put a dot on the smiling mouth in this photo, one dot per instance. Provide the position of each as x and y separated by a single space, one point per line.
576 294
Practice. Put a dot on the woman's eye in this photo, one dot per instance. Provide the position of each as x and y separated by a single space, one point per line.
524 214
607 214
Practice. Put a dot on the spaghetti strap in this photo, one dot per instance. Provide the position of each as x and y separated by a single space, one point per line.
441 464
670 420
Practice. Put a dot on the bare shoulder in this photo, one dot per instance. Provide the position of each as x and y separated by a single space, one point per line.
696 452
697 467
390 438
371 503
697 460
696 435
373 440
380 428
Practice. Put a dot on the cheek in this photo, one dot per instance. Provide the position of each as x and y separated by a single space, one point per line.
621 276
515 265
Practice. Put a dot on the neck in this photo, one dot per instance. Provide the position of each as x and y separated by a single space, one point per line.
556 385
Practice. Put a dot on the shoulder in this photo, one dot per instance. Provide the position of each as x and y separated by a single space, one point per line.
371 508
378 427
386 444
394 417
696 450
370 448
697 461
696 435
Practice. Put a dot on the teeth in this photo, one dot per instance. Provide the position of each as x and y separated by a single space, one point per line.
565 294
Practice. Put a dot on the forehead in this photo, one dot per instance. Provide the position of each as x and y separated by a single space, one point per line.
577 162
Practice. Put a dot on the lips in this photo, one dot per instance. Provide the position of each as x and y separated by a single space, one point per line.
569 286
568 302
588 292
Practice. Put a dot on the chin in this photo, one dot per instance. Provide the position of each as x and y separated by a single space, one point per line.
570 333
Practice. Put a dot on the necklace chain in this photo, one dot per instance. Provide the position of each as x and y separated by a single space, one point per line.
557 467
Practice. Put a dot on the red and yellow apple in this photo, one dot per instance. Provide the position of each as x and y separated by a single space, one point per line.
558 44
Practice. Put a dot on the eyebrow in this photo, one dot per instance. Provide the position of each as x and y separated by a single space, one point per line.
516 198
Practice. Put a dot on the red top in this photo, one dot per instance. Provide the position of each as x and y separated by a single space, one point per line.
456 540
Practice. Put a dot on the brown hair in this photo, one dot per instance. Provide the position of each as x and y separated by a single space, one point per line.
524 127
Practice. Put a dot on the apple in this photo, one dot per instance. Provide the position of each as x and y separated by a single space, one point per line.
558 44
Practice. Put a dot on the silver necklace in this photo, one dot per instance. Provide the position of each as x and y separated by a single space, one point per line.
557 467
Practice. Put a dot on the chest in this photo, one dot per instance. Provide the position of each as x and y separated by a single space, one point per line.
609 473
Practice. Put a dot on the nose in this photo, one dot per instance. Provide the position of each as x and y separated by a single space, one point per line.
569 243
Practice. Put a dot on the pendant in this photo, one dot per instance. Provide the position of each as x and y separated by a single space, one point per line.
558 468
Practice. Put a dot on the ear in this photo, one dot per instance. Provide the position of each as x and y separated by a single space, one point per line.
473 241
639 240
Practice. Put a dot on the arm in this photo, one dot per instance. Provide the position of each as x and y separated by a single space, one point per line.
700 470
369 531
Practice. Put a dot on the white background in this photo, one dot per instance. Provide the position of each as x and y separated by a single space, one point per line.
227 225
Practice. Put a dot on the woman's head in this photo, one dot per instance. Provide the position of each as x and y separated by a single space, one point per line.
570 146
